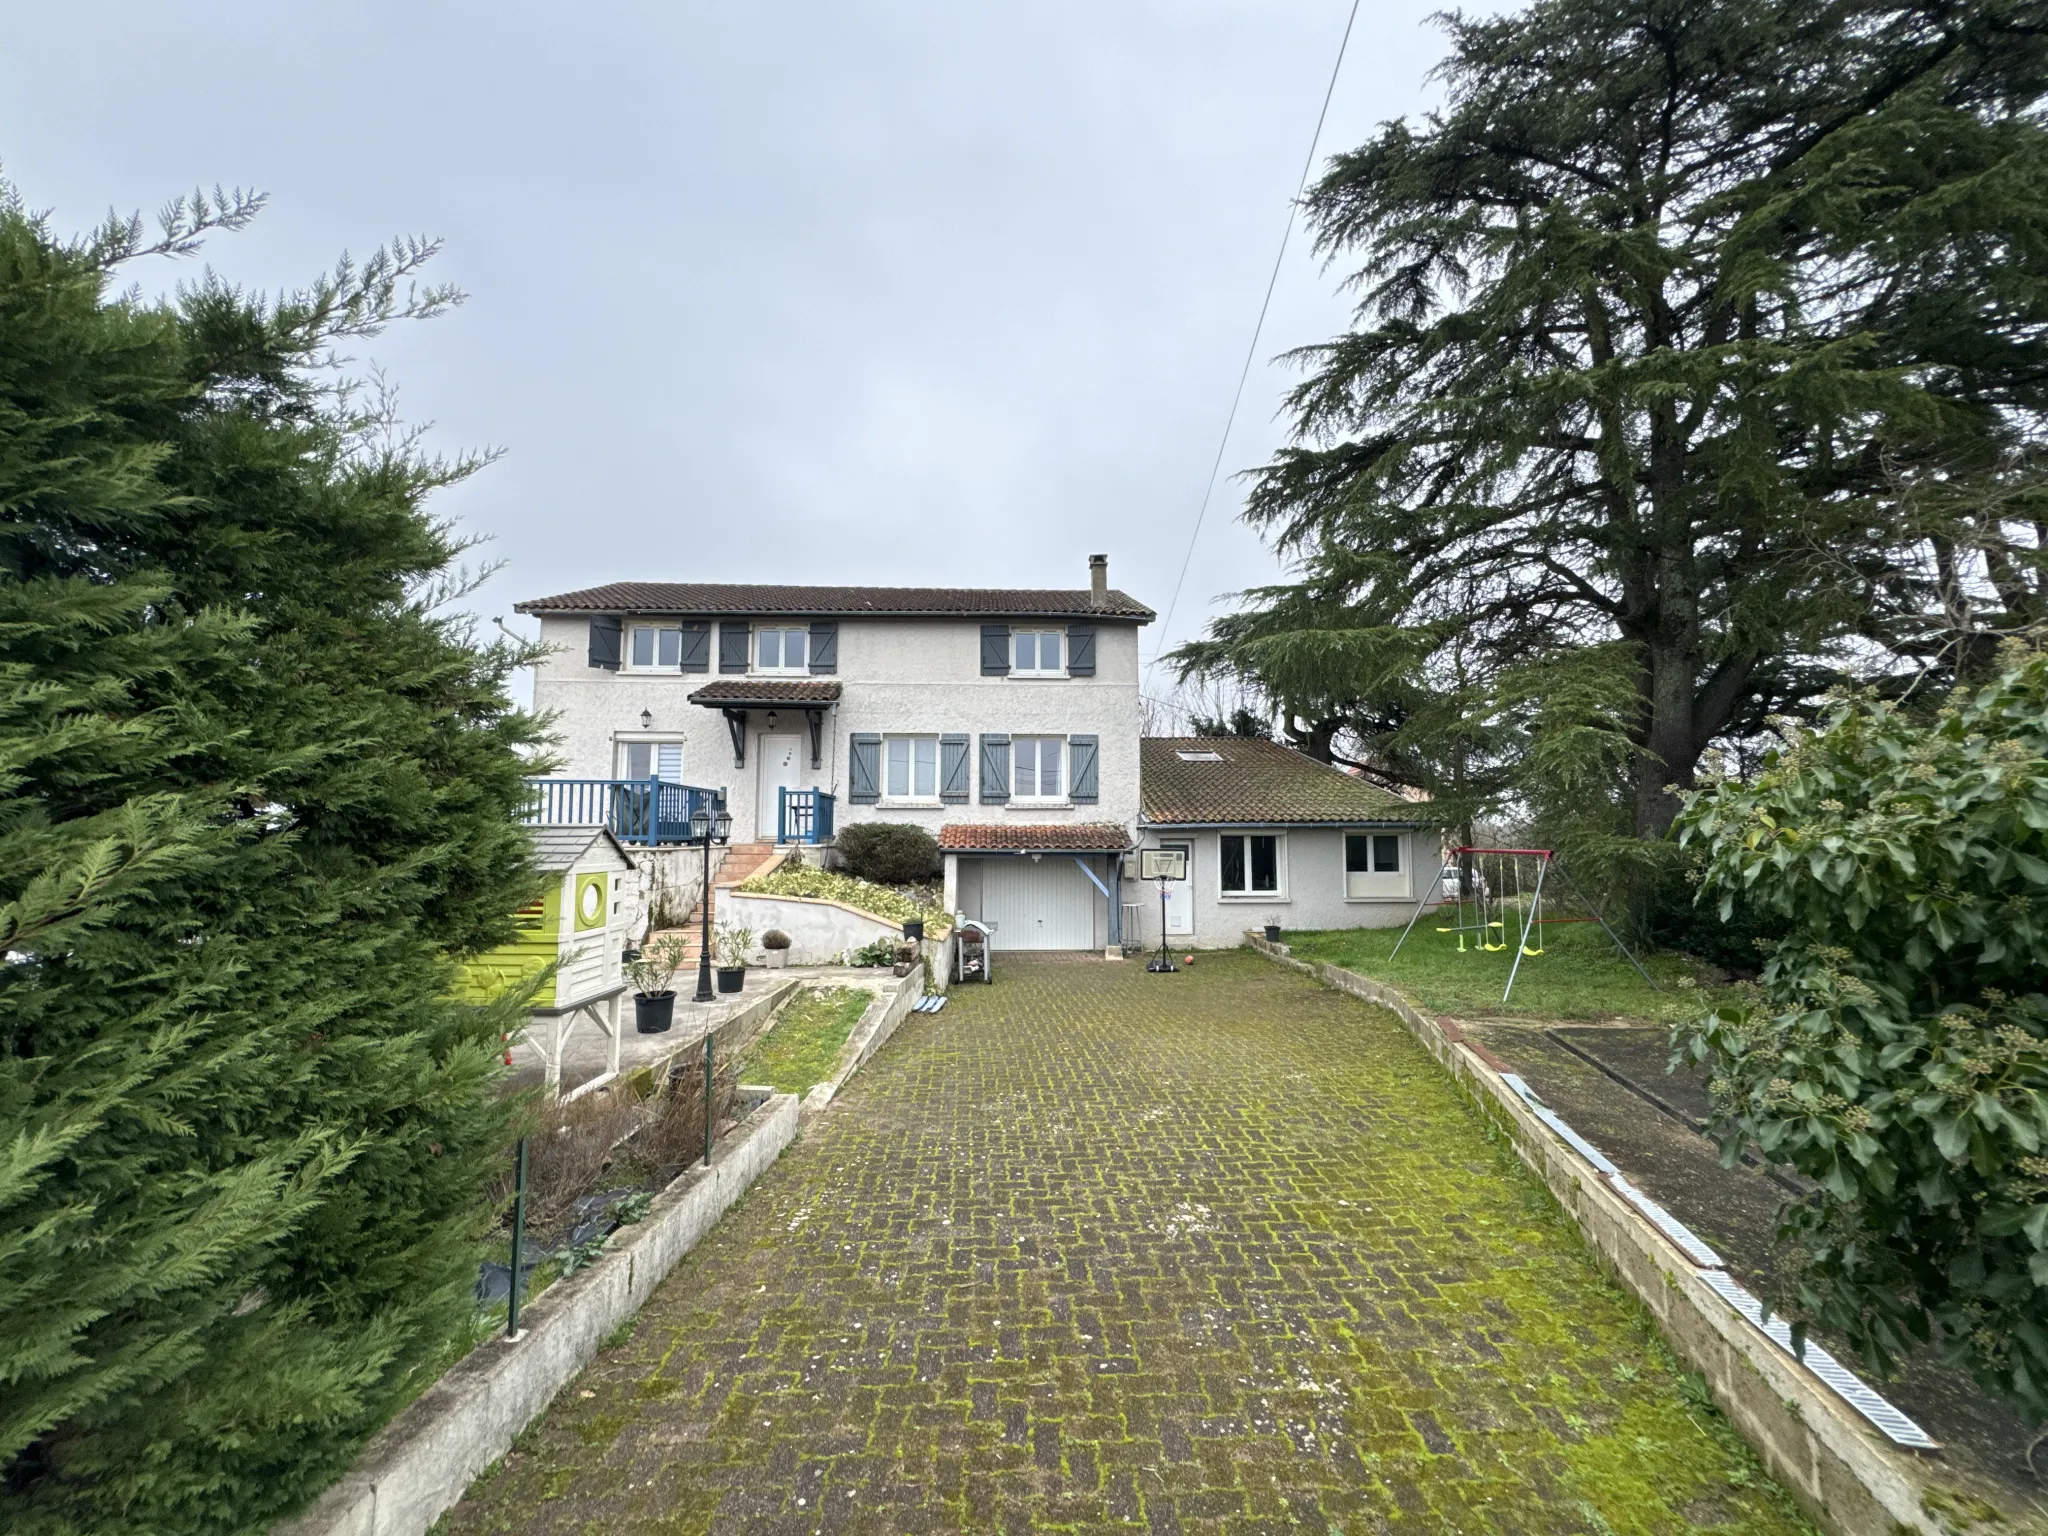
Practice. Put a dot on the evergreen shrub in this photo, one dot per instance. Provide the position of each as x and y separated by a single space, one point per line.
888 852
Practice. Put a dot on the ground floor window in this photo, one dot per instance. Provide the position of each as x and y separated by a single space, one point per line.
651 760
912 768
1371 853
1250 863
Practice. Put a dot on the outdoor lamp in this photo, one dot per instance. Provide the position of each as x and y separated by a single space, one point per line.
724 826
646 719
771 719
700 825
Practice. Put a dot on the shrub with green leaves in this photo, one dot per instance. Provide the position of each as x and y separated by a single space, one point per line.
888 852
1899 1052
258 793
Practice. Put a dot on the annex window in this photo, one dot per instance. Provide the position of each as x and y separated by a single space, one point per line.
1036 764
782 650
655 645
1250 863
1375 854
651 760
910 768
1038 653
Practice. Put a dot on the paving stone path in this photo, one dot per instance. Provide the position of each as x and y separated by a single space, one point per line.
1098 1250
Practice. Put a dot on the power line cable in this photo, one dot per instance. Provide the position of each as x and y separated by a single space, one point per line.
1251 352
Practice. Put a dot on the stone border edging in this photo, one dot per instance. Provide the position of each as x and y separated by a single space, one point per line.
415 1468
869 1035
1811 1442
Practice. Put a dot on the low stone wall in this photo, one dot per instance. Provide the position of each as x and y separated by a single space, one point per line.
820 932
416 1468
1849 1480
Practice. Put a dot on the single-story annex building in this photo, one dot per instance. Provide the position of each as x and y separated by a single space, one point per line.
1273 836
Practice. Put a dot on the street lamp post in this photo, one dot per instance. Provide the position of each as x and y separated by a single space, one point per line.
706 828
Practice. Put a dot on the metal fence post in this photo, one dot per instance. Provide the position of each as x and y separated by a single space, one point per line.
707 1099
518 1239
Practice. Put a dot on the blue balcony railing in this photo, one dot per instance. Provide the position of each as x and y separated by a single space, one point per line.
803 816
645 812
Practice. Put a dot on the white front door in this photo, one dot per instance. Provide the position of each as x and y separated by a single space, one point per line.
1180 895
1049 904
780 763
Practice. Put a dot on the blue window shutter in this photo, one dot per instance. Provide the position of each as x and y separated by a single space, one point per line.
733 636
995 659
1080 651
696 646
864 770
1082 753
955 778
825 646
995 769
606 632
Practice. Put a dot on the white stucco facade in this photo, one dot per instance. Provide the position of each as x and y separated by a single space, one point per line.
1315 890
897 677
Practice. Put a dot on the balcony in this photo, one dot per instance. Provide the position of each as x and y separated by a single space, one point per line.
645 813
803 816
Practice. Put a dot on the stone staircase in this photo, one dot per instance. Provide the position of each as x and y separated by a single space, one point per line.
742 862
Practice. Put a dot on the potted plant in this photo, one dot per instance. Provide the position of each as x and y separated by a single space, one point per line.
652 970
732 947
775 943
1272 930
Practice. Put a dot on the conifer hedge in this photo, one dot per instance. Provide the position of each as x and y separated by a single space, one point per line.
258 793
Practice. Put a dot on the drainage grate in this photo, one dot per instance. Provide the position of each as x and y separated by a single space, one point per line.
1837 1377
1543 1112
1689 1242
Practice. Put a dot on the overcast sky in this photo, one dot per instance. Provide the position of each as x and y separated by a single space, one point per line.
898 293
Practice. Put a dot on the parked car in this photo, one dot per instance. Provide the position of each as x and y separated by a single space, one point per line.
1454 888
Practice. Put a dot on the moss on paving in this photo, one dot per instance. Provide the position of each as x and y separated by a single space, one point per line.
1094 1250
1579 975
802 1047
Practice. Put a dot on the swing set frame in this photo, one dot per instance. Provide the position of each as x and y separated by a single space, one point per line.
1547 862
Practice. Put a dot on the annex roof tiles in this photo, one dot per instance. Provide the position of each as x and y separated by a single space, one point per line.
741 692
1247 781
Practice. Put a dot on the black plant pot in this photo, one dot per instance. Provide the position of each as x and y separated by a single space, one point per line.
653 1015
1272 933
731 977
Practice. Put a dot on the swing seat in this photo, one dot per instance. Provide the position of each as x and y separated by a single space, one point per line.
1531 953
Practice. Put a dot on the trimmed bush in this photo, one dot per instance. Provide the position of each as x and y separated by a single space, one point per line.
888 852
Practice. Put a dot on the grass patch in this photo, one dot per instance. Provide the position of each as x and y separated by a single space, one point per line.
892 904
801 1048
1579 975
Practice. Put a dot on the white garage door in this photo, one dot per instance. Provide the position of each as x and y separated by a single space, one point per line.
1047 905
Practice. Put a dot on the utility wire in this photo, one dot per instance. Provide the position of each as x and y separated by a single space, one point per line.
1251 352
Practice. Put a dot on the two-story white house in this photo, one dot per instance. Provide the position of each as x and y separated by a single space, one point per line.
1004 721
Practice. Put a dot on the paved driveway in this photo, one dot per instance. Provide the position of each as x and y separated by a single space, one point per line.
1096 1250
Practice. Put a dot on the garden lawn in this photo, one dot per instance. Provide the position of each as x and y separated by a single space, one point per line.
1579 975
802 1046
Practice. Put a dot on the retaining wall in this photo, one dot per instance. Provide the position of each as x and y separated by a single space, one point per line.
820 931
416 1468
1851 1482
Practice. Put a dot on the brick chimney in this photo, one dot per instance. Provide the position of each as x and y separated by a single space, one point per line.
1098 580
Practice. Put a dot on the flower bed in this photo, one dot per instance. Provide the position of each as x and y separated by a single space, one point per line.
889 903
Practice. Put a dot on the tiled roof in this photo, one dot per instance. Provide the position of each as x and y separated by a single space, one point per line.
741 601
1032 837
558 848
1224 780
767 690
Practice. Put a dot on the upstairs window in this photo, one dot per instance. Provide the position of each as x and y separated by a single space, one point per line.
1250 864
655 645
1038 653
1036 764
911 768
782 650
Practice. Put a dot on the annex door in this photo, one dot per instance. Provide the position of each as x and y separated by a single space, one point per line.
779 769
1045 905
1180 895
